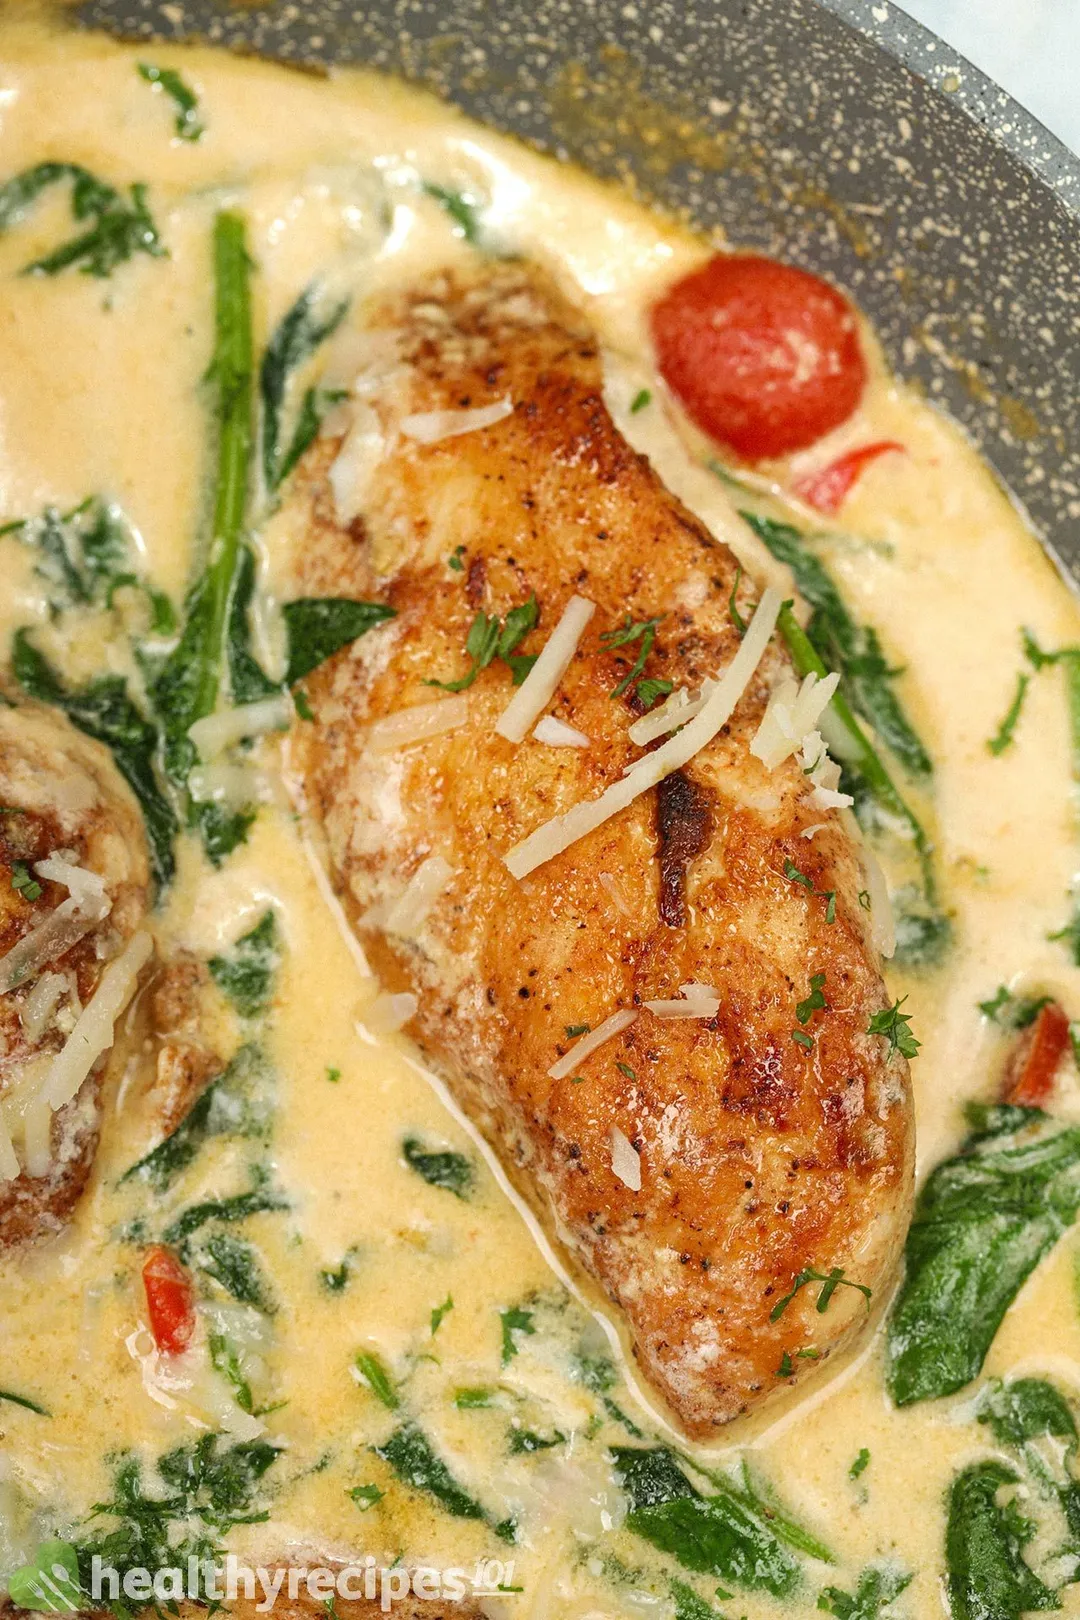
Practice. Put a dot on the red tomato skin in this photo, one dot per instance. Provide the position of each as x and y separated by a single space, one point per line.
1037 1058
169 1300
764 357
828 487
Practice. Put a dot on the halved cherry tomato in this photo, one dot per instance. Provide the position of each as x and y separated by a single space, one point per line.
169 1301
827 488
1037 1058
764 357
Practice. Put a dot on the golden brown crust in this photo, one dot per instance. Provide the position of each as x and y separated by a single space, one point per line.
60 793
186 1062
759 1158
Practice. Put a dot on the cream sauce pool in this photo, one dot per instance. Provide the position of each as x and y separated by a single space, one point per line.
102 392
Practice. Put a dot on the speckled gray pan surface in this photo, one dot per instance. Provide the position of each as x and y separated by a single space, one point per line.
839 135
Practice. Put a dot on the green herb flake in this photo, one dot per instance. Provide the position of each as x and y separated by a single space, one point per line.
877 1588
490 637
801 1038
462 207
815 1001
829 1284
365 1496
642 398
733 612
860 1465
1005 731
893 1026
439 1312
624 1068
187 124
375 1376
631 631
468 1400
514 1320
574 1030
302 330
24 883
455 561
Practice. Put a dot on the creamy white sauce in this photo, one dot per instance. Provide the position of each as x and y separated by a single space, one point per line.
101 390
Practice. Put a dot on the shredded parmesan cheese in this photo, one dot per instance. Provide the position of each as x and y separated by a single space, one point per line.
538 688
557 734
415 725
793 712
40 1004
390 1012
354 466
824 773
614 893
86 888
9 1164
60 930
675 711
37 1137
695 1001
429 427
882 923
588 1043
625 1160
93 1033
408 915
233 785
214 733
558 834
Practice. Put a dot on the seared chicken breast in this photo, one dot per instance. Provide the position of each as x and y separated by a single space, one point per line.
74 884
696 1167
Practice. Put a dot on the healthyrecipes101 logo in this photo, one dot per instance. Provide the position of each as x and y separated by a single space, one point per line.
53 1584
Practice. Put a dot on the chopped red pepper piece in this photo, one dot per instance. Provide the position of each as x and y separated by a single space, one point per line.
1035 1062
169 1301
827 488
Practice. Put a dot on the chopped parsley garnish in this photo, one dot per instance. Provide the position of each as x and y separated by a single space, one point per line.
573 1030
121 226
187 123
893 1025
454 560
365 1496
514 1320
640 400
333 1075
815 1001
631 631
830 1282
24 883
1004 734
490 637
624 1068
733 612
860 1465
650 690
786 1367
792 872
439 1312
801 1038
375 1376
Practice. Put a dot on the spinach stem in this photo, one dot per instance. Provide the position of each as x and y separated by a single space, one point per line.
233 372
